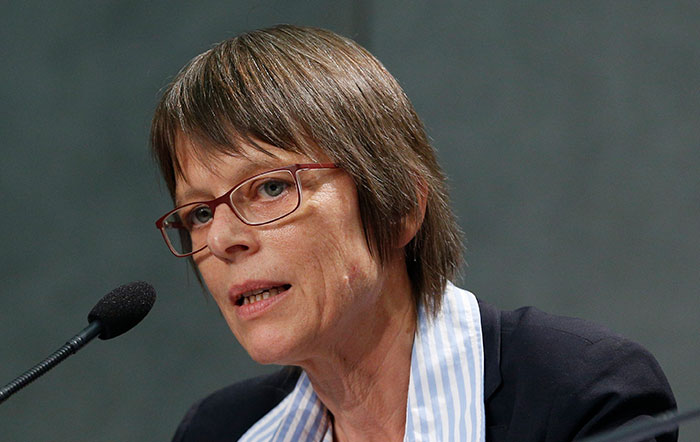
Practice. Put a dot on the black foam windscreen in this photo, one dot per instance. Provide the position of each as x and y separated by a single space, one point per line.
123 308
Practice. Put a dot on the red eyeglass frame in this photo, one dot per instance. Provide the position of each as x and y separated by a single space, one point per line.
226 199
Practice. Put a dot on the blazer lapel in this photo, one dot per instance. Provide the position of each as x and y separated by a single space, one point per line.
491 332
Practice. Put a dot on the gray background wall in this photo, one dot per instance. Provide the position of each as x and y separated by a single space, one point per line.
570 132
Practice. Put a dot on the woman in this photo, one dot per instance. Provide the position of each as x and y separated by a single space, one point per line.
312 206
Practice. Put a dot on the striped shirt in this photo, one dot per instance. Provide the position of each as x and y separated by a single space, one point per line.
445 391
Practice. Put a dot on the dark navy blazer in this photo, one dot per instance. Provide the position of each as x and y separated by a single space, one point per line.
546 378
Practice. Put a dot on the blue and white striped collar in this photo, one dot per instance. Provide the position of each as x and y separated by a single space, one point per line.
445 392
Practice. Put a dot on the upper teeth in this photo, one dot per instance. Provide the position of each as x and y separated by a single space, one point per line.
259 295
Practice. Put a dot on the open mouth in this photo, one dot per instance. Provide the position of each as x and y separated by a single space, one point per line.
254 296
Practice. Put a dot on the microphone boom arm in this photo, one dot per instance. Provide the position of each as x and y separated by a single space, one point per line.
72 346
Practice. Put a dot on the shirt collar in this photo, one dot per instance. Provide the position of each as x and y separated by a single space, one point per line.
445 395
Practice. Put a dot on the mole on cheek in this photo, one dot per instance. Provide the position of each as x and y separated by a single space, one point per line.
352 272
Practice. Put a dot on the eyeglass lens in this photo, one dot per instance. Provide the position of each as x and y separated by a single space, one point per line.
259 200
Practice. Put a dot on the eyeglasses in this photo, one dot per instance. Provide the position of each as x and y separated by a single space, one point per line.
258 200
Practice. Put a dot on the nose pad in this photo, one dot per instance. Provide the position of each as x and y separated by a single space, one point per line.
228 236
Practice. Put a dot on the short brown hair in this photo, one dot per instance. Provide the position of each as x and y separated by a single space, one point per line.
307 89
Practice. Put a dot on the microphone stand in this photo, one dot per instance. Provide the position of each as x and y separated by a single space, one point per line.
72 346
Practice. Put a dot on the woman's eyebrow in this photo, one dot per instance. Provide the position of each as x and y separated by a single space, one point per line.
242 173
188 196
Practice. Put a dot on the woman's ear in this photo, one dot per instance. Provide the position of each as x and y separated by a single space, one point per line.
412 221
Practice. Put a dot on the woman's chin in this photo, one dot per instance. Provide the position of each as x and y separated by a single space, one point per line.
278 351
269 356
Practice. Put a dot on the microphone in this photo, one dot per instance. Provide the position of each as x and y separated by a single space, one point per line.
116 313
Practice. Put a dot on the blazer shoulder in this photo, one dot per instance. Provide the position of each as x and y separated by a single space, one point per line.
228 413
533 324
567 352
528 344
576 376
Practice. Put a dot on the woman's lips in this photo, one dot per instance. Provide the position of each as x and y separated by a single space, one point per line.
257 295
253 302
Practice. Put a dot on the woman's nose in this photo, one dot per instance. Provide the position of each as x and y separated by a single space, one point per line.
228 237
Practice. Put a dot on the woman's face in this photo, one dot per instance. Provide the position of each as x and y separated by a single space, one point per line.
313 267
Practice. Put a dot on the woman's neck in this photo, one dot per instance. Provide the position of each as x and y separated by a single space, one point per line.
363 381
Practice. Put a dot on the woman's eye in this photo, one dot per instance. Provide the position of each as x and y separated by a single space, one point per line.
200 215
272 188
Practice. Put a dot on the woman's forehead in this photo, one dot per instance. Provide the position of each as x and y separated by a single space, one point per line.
190 148
199 163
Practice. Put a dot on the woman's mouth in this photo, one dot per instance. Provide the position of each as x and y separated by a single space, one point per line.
258 295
